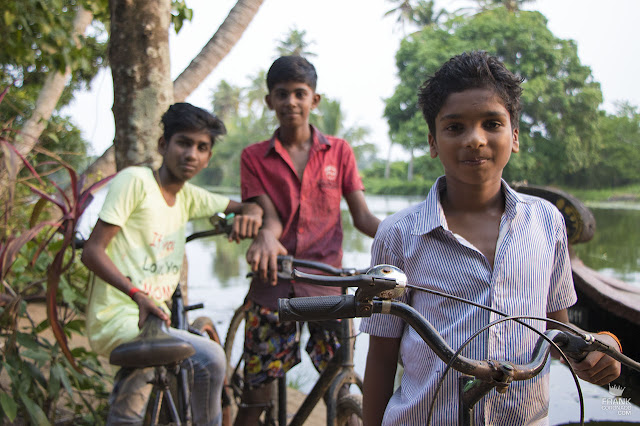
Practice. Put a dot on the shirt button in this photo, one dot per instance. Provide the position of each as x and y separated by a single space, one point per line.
300 230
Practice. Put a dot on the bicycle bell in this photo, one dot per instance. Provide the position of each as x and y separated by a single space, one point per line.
390 271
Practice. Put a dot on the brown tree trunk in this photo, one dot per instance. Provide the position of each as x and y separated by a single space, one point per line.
216 48
139 58
227 35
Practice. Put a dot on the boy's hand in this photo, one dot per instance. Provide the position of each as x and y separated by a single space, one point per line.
247 223
598 368
147 307
263 256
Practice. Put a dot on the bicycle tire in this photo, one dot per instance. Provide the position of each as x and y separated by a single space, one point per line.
206 326
235 365
350 410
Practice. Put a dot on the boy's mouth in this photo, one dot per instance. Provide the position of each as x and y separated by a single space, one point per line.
475 161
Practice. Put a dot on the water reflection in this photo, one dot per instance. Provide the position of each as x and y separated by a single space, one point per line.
614 249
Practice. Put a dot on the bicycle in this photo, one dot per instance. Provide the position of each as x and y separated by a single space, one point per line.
383 283
339 371
154 347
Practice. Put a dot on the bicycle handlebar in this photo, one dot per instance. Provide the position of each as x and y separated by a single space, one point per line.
347 306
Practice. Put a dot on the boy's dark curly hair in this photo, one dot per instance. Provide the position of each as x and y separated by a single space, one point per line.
182 116
292 68
470 70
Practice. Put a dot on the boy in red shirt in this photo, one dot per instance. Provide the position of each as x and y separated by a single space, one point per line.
298 177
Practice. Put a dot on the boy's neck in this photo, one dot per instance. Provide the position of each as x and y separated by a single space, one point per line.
168 184
467 198
294 136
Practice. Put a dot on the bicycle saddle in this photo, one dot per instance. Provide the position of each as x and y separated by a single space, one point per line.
153 347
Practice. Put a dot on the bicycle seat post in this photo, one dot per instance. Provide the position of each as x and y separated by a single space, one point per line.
160 383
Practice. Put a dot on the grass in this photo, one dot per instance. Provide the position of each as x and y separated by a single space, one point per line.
629 193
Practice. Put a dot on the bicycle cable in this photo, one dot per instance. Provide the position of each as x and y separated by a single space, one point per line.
517 319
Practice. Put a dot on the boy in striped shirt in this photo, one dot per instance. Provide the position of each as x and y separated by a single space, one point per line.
476 238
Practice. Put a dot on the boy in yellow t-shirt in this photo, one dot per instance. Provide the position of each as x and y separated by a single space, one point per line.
136 251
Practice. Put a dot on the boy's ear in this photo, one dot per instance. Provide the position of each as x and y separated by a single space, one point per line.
433 147
316 100
267 100
516 141
162 145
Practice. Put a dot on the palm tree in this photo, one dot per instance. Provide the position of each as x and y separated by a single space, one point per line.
420 13
226 100
510 5
295 44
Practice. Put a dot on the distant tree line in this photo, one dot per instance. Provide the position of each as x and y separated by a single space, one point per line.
565 138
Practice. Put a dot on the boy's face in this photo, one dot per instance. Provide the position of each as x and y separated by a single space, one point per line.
186 153
474 137
292 102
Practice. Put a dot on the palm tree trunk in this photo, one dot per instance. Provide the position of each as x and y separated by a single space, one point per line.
387 167
216 49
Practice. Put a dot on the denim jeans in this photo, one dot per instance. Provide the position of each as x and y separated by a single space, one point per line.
131 390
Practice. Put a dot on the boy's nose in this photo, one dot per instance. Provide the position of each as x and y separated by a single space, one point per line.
476 138
190 152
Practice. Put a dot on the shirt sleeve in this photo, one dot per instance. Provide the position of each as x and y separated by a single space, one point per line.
351 180
124 195
250 184
562 293
203 203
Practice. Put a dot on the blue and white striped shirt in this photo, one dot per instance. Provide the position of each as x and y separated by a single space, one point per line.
531 276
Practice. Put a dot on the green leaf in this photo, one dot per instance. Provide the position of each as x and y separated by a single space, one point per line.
35 412
9 406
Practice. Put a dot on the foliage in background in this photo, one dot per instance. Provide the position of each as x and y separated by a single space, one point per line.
44 376
37 41
559 126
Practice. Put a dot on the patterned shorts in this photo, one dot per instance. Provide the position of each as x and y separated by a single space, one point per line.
271 348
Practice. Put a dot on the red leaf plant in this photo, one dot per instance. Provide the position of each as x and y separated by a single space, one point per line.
71 206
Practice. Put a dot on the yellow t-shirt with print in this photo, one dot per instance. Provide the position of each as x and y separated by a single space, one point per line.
149 249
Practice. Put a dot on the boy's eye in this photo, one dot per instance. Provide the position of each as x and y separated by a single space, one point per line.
453 127
493 124
203 147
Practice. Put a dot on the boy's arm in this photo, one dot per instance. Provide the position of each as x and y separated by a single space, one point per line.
363 219
265 248
379 377
94 256
596 368
247 222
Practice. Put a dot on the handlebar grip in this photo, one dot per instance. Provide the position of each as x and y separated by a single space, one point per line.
576 347
317 308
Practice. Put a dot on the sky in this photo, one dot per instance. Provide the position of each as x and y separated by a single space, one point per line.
355 46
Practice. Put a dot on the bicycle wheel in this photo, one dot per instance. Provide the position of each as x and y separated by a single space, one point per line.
205 326
233 349
350 410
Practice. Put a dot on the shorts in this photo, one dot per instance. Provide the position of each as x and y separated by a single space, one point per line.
271 348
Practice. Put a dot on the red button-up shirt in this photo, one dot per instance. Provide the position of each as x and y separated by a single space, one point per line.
309 209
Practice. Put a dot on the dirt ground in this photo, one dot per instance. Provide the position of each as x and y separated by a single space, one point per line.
294 397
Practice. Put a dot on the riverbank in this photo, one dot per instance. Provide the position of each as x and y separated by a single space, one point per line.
622 194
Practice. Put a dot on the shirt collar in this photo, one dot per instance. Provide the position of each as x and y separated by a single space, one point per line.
431 215
319 140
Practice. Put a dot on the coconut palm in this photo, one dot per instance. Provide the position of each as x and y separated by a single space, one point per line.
295 44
